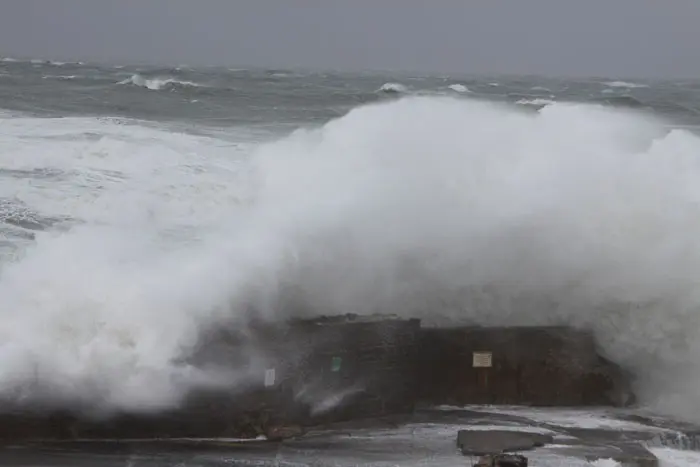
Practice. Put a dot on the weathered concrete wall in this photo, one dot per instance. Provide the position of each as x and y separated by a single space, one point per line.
529 365
335 369
305 373
330 369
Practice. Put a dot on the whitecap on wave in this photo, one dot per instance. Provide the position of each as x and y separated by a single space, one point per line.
536 102
157 84
458 88
393 88
625 84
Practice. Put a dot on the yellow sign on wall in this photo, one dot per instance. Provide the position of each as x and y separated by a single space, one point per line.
482 359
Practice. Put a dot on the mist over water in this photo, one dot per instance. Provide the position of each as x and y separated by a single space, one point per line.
451 209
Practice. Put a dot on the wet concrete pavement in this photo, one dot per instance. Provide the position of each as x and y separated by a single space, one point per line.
427 438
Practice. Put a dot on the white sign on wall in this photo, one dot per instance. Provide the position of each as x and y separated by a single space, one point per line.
269 377
482 359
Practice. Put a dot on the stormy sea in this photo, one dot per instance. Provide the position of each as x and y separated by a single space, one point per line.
140 205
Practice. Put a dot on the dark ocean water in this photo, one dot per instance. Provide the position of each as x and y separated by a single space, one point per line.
227 96
138 204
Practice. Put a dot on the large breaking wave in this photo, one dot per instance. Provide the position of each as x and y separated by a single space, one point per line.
445 209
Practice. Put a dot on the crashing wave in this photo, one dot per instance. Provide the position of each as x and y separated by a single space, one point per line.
158 84
537 102
458 88
393 88
581 215
17 214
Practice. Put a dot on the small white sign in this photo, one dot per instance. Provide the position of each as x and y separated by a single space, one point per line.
269 377
482 359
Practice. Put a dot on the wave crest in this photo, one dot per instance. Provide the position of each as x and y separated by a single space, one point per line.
458 88
536 102
158 84
392 88
625 84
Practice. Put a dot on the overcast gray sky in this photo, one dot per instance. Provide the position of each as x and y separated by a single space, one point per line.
551 37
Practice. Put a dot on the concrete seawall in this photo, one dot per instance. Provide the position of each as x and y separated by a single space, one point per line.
325 370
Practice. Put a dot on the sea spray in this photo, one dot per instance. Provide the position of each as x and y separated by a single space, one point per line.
449 210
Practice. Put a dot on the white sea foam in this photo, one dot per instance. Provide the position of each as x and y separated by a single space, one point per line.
432 207
577 214
589 418
395 88
93 314
458 88
605 463
675 458
157 84
537 102
625 84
